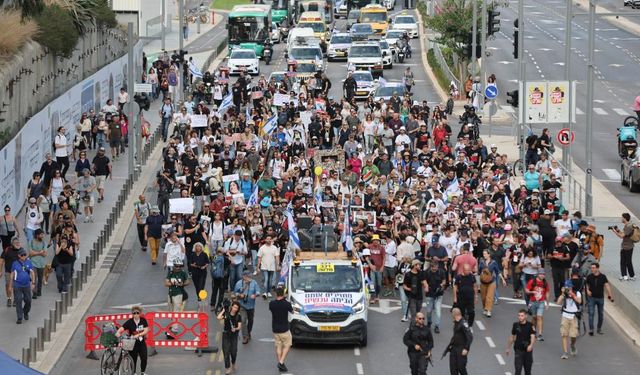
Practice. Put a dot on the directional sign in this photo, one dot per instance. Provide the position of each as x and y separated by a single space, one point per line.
142 87
491 92
565 136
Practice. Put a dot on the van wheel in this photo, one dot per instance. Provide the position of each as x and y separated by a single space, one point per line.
633 187
623 182
363 341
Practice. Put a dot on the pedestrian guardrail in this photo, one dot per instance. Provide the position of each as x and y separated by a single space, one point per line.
574 196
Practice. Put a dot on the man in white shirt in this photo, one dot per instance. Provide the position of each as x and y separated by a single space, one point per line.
570 299
123 98
563 225
268 263
62 153
390 264
236 248
109 107
173 250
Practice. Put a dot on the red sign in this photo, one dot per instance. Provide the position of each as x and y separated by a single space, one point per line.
565 136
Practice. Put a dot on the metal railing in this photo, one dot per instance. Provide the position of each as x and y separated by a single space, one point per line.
574 196
444 66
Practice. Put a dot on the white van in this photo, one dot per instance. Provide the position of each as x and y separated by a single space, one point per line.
299 33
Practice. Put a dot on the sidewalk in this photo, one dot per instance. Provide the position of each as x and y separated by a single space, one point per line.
15 337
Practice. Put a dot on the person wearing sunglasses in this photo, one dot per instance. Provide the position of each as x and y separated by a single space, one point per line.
22 281
419 342
137 328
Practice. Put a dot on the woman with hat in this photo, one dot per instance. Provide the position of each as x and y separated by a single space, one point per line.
136 328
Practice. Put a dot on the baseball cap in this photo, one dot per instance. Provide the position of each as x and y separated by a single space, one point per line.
22 252
568 284
101 149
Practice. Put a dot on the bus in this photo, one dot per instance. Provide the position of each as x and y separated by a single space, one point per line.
325 7
283 10
249 26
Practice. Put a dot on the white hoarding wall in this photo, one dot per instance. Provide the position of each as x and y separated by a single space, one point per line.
26 151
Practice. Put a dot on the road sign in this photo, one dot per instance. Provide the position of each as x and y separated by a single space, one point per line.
470 67
491 92
565 136
142 87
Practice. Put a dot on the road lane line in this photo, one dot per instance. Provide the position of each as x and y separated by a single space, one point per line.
218 372
356 352
600 111
480 325
359 368
500 360
220 356
212 357
579 111
613 174
490 342
218 336
208 372
621 111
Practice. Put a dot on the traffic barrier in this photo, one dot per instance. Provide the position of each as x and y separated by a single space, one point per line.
186 329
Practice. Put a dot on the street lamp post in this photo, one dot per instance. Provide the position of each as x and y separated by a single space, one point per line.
566 151
589 130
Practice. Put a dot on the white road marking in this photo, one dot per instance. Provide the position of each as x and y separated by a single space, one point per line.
579 111
359 368
500 360
507 373
356 352
621 111
504 62
612 174
616 65
490 342
480 325
544 49
559 63
600 111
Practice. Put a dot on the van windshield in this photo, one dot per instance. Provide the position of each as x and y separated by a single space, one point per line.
364 51
315 278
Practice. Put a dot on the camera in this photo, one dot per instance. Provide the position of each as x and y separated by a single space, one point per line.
613 227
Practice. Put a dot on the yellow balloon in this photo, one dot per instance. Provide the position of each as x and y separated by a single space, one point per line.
202 294
318 171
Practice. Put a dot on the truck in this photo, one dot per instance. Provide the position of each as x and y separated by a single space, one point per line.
330 298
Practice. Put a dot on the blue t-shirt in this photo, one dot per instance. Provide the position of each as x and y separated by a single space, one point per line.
247 302
21 273
531 180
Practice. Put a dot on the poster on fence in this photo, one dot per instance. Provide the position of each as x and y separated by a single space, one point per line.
199 121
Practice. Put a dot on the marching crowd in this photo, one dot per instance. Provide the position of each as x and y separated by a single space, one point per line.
429 212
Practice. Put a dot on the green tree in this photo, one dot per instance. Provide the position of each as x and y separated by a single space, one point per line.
28 8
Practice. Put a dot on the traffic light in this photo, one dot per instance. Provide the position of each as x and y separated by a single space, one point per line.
467 47
513 98
515 39
493 23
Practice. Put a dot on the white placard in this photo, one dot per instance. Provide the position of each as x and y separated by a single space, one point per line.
281 99
142 87
305 117
231 177
199 121
181 206
536 102
558 103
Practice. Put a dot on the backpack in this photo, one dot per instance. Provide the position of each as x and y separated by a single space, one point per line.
485 275
217 267
635 236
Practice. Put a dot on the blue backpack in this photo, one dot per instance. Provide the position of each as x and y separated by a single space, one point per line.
217 267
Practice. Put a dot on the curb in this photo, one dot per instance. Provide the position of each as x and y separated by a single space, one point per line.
425 64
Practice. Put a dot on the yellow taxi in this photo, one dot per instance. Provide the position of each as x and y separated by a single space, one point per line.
377 16
315 21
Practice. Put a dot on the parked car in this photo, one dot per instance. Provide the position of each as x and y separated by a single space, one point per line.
630 171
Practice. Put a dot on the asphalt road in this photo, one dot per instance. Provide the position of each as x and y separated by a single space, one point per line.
616 83
136 281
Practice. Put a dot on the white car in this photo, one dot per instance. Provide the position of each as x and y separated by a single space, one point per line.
393 35
366 85
276 35
243 60
406 22
386 92
366 56
387 54
338 46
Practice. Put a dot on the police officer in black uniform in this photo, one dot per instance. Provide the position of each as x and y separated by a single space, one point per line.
459 345
349 86
419 342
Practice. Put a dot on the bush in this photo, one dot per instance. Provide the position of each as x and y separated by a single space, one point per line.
14 33
105 17
441 77
60 35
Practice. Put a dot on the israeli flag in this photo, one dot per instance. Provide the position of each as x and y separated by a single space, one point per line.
247 113
452 189
294 240
284 269
227 102
194 70
382 82
318 196
270 125
253 199
508 208
347 235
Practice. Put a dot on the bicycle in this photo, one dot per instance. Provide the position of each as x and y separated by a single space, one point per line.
116 359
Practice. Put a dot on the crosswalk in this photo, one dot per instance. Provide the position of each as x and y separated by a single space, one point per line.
596 110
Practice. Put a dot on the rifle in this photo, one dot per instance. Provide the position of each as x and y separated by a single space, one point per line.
446 351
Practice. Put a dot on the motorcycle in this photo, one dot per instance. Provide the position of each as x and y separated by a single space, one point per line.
268 51
627 138
400 54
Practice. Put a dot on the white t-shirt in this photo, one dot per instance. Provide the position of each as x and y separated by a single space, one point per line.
173 251
562 226
61 139
449 243
216 231
268 253
570 308
390 249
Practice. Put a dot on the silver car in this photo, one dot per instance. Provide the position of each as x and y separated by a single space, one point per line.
630 171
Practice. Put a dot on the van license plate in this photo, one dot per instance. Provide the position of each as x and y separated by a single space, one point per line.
329 328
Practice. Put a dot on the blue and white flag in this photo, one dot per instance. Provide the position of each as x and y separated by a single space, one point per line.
270 125
253 199
247 113
382 82
508 208
227 102
194 70
286 262
347 235
318 197
452 189
294 240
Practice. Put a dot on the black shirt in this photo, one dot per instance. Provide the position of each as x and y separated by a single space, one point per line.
434 280
9 256
414 281
462 336
231 320
280 310
132 328
523 333
101 164
465 286
596 285
557 263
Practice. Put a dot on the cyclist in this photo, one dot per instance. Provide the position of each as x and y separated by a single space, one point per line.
137 328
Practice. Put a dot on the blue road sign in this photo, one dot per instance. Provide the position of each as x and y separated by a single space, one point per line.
491 92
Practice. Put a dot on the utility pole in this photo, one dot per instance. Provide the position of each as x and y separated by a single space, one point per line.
130 90
181 46
589 135
163 23
483 46
566 151
521 78
474 42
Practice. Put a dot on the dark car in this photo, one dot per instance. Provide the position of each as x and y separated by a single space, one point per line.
352 18
630 171
360 31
